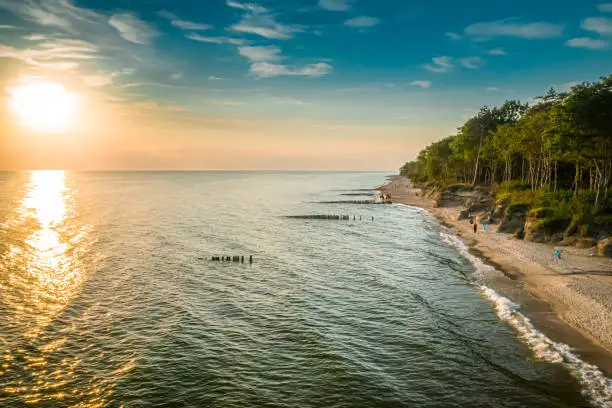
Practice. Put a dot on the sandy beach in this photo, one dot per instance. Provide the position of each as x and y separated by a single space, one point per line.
570 300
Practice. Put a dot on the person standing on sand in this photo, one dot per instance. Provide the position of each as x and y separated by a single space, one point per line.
475 225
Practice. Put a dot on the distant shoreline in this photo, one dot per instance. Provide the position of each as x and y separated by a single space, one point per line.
572 308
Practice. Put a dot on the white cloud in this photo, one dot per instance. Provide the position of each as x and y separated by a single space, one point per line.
492 89
214 78
215 40
268 70
585 42
606 7
184 24
128 71
505 28
99 80
471 62
259 21
35 37
453 36
265 63
7 27
132 29
335 5
261 53
60 65
362 21
440 65
422 84
253 8
37 58
266 26
51 13
497 51
52 54
176 76
600 25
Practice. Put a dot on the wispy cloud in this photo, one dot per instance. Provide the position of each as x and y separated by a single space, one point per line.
132 29
600 25
362 21
215 40
35 37
259 21
453 36
586 42
265 63
55 54
422 84
335 5
99 80
497 51
253 8
184 24
606 7
39 58
265 26
214 78
8 27
176 76
510 28
50 13
492 89
268 70
261 53
471 62
440 65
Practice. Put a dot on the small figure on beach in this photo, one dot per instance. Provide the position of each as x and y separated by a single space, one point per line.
558 254
475 227
484 227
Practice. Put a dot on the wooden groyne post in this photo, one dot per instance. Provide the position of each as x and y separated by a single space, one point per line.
234 258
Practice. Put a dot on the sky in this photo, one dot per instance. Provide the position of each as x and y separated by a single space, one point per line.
276 84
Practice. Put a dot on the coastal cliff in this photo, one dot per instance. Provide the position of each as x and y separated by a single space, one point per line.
523 219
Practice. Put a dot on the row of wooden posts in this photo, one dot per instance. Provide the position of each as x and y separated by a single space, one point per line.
327 217
231 259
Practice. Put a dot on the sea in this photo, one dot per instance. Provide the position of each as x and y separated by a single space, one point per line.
109 297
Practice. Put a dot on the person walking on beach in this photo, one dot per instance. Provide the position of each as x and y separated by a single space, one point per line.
475 225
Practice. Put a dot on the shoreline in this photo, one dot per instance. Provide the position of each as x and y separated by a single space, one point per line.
570 301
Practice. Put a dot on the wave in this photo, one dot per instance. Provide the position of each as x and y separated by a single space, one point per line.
596 387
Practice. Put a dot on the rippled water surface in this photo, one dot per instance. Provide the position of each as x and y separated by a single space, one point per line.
107 299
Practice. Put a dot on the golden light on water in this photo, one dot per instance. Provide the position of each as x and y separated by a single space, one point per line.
47 266
45 106
44 272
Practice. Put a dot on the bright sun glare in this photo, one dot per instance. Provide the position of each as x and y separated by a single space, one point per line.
46 106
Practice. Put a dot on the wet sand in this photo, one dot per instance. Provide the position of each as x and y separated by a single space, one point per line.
569 300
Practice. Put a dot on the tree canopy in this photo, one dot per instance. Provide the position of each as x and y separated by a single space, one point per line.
563 141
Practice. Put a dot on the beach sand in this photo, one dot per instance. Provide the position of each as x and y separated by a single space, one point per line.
569 300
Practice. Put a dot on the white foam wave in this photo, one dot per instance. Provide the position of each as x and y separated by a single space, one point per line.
595 385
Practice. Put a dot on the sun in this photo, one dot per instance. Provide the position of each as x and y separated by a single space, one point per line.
45 106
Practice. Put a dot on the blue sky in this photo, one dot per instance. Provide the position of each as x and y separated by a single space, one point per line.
385 77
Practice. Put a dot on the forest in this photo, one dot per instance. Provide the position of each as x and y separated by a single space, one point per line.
559 147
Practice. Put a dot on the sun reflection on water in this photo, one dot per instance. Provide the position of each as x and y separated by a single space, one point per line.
41 273
46 265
